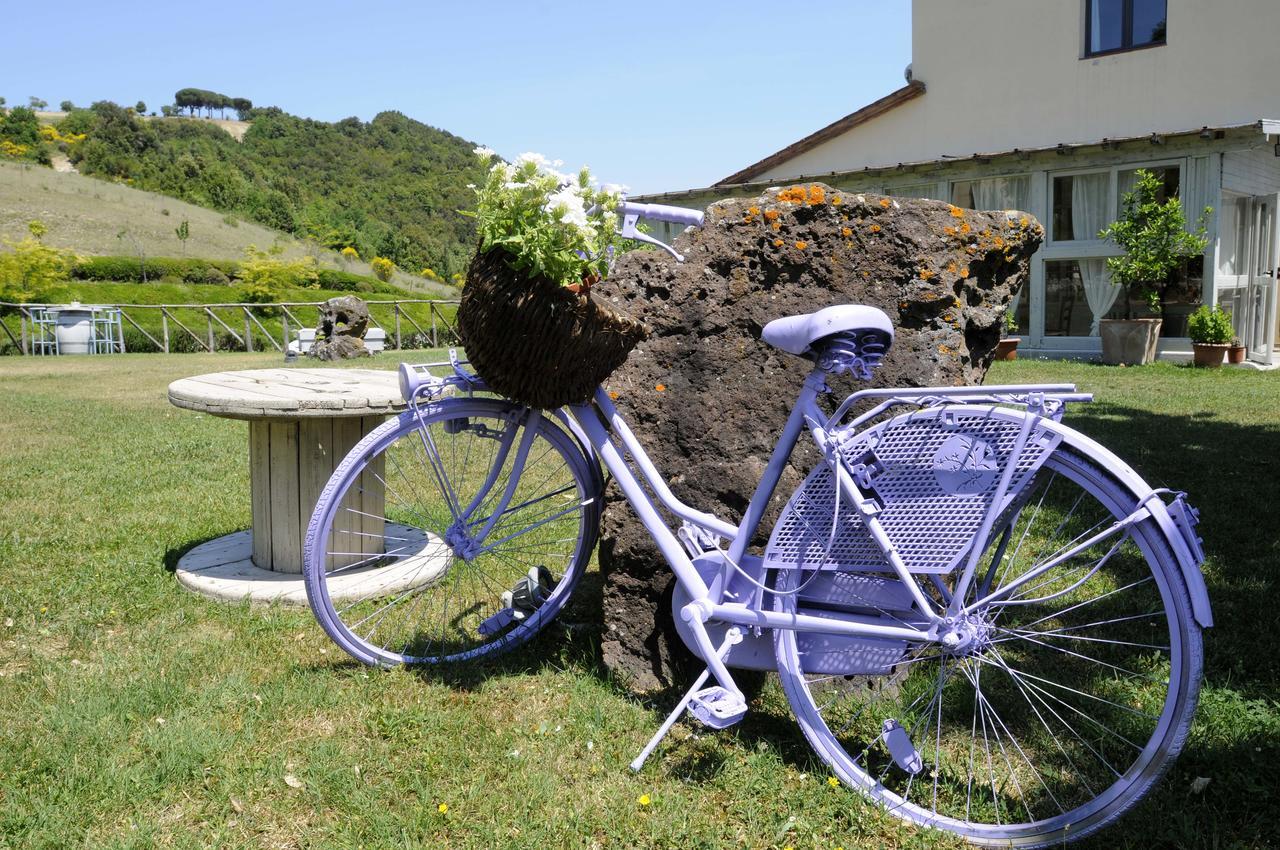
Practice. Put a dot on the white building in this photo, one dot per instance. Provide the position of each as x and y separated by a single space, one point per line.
1050 106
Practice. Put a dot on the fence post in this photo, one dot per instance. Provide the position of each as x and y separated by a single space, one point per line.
248 332
435 343
284 326
396 308
23 319
164 327
209 319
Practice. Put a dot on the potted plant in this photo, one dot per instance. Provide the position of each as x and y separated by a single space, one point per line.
1236 351
526 317
1210 332
1157 246
1007 347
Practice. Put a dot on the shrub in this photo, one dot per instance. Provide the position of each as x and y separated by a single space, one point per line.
129 269
1212 326
31 270
264 276
382 268
345 281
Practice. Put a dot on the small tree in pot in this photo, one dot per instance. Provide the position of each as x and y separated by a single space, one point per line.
1211 335
1157 246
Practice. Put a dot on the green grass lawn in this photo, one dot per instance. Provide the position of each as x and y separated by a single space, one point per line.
134 714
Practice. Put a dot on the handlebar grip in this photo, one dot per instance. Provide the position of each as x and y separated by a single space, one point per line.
661 212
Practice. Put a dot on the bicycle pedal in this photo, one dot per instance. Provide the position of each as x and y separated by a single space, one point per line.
717 707
496 623
904 753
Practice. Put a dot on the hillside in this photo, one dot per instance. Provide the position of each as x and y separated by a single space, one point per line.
87 215
391 187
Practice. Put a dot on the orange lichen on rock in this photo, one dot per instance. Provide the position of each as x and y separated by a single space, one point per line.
662 388
778 243
926 274
886 203
836 200
801 245
949 230
965 228
817 195
875 228
964 271
844 231
957 212
777 225
772 215
753 210
793 195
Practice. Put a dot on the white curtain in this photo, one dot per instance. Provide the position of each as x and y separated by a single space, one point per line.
1003 193
1088 216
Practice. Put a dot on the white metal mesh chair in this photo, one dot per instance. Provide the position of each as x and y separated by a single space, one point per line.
44 326
108 332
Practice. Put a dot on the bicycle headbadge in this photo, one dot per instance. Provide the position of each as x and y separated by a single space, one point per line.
858 352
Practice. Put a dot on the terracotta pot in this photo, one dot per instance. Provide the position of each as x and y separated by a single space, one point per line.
1209 354
1129 341
1007 348
1235 354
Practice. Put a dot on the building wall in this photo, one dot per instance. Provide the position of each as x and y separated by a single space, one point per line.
1005 74
1252 172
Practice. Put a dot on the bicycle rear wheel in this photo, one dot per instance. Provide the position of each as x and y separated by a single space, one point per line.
1072 699
451 533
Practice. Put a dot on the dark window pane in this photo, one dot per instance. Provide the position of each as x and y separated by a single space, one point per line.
1106 25
1148 22
1062 229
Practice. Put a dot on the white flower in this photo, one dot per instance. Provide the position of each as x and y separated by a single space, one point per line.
484 152
568 204
536 158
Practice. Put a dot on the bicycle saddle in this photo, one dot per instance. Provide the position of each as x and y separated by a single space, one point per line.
797 334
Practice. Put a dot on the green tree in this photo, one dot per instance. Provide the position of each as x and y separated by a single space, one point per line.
183 232
66 106
30 269
168 111
37 104
1157 243
140 107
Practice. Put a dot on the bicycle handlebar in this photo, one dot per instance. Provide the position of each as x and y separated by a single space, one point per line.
661 212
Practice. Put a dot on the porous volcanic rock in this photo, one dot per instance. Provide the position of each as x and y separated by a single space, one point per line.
340 331
707 397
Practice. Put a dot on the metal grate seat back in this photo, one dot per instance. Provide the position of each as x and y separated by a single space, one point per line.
933 475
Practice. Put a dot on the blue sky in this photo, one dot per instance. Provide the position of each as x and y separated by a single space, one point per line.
659 96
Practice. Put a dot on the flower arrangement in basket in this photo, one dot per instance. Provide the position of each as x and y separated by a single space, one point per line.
527 319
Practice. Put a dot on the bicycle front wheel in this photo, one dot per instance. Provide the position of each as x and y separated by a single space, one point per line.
1067 700
450 533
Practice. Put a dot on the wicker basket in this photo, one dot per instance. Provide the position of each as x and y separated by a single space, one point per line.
535 341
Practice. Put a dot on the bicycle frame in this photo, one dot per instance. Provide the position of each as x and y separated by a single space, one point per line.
601 419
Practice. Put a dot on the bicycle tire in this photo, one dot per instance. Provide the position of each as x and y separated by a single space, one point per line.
435 588
841 718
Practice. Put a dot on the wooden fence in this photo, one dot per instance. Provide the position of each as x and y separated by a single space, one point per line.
242 323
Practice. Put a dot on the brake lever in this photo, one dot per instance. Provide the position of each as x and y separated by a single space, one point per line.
630 231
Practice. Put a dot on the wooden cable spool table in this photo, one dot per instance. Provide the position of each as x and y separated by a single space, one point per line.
302 422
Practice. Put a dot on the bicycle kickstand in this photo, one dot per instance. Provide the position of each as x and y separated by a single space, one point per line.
717 707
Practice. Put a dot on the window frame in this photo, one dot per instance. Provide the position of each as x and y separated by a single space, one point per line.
1126 31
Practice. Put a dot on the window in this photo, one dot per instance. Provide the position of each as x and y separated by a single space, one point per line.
1113 25
1078 293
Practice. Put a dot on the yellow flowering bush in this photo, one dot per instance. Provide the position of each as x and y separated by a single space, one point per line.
382 268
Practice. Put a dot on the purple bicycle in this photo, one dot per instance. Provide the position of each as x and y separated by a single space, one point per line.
982 619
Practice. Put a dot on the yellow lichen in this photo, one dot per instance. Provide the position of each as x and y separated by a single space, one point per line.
801 245
817 195
875 228
772 215
778 243
837 200
844 231
957 212
777 225
886 203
